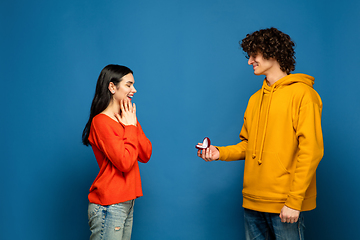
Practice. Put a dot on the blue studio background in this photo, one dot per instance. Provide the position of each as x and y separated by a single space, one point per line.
193 81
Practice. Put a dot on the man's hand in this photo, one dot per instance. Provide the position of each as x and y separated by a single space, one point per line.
289 215
209 154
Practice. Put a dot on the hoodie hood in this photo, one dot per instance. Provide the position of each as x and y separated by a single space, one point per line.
288 80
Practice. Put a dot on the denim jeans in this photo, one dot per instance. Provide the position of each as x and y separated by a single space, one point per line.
261 226
112 221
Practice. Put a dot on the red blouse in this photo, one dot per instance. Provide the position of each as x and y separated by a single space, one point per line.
117 149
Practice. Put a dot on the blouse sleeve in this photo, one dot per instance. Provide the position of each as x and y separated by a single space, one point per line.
119 145
145 147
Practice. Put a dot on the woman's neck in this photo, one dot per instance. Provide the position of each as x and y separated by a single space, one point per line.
112 109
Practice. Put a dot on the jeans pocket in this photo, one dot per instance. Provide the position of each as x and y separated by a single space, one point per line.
93 209
301 221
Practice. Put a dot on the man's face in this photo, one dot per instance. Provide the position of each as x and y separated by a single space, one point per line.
261 65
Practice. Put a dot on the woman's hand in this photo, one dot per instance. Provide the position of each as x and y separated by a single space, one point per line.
127 114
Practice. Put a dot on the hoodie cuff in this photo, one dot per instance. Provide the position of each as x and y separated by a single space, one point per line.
221 153
294 203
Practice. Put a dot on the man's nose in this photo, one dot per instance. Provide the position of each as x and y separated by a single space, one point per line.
251 60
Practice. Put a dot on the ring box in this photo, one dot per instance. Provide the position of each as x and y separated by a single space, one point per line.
205 144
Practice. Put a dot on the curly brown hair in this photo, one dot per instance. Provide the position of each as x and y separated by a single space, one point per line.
271 43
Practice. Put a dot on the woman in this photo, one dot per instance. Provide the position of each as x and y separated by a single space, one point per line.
118 143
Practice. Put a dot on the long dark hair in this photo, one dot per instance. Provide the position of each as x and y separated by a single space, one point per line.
110 73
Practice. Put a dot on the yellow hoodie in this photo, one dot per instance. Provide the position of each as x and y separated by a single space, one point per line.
282 144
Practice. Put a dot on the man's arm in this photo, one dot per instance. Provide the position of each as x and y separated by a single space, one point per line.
311 150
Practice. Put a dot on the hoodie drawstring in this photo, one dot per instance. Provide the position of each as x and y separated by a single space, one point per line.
285 81
258 122
265 125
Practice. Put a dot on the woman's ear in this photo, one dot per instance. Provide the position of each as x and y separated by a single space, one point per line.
112 87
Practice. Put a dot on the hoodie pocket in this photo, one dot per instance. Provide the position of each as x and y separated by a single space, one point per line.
268 180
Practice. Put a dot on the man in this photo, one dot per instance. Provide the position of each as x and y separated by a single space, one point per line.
281 141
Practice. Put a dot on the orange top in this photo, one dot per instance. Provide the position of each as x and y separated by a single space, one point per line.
117 149
282 144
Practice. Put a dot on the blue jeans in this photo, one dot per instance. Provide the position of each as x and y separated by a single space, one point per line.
261 226
112 221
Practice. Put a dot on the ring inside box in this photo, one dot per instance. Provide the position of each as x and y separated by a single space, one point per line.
205 144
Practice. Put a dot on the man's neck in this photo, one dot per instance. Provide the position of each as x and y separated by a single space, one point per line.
274 77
